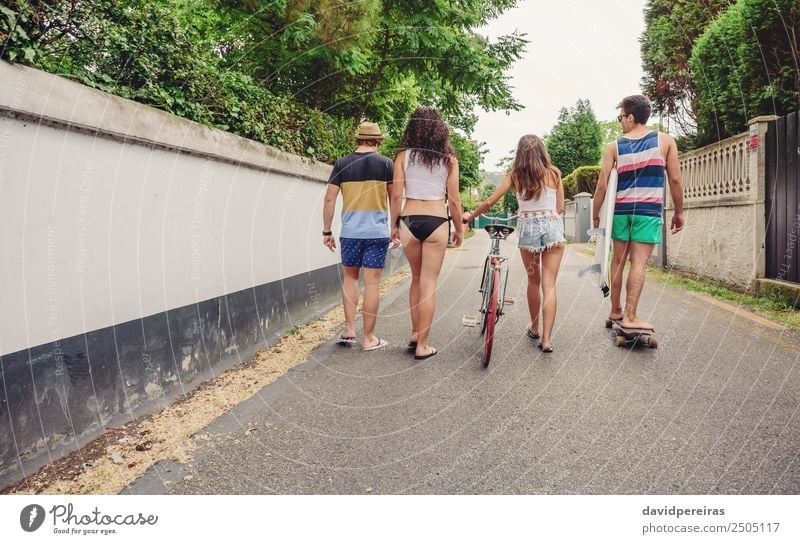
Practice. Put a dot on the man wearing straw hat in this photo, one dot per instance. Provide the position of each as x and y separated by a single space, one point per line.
365 179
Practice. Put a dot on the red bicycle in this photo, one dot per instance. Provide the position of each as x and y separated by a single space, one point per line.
493 285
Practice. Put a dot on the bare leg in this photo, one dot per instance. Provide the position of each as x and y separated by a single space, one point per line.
372 282
413 249
433 249
551 261
531 261
350 299
618 258
640 253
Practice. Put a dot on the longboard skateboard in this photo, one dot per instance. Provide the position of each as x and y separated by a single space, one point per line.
630 337
600 269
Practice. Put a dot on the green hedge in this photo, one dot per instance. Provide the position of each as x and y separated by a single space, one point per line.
581 180
745 65
140 49
570 186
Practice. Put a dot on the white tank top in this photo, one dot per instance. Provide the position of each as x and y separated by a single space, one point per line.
423 183
546 201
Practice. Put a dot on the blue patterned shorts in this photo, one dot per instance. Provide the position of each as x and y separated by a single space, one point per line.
364 252
541 231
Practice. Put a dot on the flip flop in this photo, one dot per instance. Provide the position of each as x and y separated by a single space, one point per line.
428 356
530 334
412 346
380 345
346 341
545 350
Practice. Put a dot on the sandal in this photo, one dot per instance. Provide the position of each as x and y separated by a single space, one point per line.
532 335
380 345
545 350
412 346
346 341
427 356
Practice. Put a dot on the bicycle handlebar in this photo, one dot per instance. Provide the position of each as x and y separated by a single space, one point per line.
493 218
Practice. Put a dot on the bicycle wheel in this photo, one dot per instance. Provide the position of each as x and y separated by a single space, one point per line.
485 279
486 289
490 317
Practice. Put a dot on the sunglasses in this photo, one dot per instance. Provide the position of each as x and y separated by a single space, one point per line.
619 117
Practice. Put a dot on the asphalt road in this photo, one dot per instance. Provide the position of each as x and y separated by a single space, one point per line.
713 410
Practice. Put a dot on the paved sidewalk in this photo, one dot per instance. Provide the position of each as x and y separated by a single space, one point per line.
714 410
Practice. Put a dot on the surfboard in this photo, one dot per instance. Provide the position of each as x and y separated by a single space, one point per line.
599 270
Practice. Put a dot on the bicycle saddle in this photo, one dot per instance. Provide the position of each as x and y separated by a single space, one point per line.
500 232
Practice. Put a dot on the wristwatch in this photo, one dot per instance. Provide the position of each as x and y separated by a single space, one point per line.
327 233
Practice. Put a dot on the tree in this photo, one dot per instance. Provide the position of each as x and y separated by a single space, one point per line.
576 138
611 130
671 29
378 59
296 74
746 65
485 190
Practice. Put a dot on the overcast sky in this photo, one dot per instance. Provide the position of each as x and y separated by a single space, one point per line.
578 49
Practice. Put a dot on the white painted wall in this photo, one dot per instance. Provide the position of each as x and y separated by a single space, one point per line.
725 224
718 243
99 231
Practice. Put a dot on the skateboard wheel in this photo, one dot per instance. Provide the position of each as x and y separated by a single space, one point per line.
652 343
620 340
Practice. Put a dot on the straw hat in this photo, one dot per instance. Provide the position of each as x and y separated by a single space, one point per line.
369 131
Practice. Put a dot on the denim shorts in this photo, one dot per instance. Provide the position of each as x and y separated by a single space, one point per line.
540 231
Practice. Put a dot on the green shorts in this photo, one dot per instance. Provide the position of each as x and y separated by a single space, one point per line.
637 228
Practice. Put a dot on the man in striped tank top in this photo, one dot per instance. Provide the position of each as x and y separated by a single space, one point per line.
642 157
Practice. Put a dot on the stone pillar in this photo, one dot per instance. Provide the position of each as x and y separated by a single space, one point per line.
756 144
583 216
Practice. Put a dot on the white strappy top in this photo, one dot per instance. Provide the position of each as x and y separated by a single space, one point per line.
422 182
546 201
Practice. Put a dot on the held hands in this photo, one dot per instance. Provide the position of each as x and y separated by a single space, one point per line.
394 239
466 218
458 237
329 242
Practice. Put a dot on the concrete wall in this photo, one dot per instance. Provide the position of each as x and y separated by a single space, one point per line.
723 238
717 244
138 250
570 212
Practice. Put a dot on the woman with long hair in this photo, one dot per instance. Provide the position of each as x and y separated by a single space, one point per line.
426 171
540 193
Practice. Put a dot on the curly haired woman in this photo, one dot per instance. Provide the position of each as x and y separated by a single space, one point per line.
426 170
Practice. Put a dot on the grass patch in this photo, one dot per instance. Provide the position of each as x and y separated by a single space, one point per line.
468 234
777 310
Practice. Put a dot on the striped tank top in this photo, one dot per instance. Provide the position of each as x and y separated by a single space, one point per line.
640 176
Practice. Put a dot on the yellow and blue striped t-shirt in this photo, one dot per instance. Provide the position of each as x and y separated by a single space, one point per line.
363 178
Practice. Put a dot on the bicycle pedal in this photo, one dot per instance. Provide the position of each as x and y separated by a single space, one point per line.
469 321
508 300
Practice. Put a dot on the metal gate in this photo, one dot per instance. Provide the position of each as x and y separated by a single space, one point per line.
783 199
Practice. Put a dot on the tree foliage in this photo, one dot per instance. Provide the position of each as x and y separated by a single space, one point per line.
671 29
747 65
611 130
575 139
711 65
296 74
378 59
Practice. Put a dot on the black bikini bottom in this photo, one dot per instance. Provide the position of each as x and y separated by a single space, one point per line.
422 226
